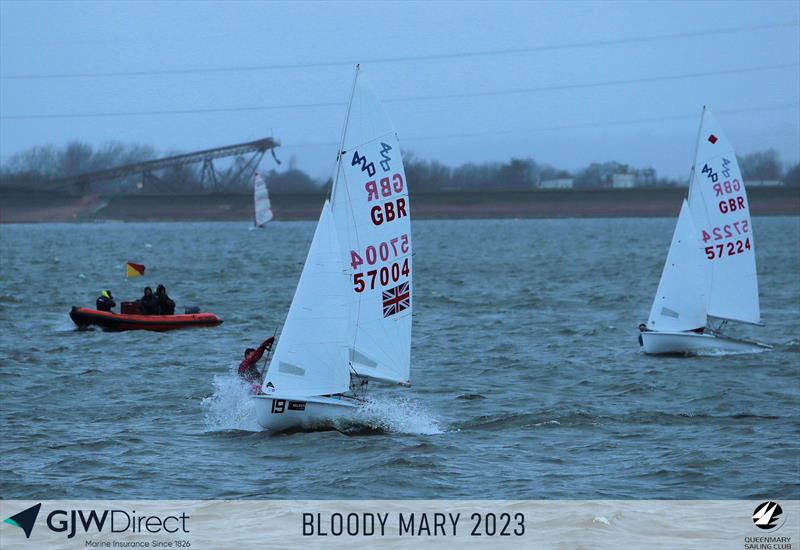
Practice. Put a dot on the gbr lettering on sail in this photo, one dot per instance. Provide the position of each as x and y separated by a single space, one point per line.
381 259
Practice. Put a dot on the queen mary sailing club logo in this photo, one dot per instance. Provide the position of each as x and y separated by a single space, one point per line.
25 519
769 516
396 299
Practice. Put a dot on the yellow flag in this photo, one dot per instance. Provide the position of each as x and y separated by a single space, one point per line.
135 270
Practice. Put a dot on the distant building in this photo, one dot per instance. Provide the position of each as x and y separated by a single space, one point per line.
764 183
623 181
560 183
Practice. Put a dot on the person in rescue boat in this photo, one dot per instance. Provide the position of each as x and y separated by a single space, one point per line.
248 368
106 301
165 304
149 302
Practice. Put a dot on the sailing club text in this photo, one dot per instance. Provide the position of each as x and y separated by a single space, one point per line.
411 524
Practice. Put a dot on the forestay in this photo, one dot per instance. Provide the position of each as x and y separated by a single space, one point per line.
311 356
680 302
263 206
371 211
721 214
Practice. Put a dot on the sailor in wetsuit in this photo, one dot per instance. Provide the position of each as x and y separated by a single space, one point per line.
642 328
106 301
248 368
148 303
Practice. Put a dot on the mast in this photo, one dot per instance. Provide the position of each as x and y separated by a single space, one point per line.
696 148
344 134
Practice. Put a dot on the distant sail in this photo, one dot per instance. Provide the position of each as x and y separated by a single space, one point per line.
263 206
721 214
371 210
681 299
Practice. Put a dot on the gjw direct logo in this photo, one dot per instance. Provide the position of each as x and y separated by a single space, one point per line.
25 519
72 522
769 516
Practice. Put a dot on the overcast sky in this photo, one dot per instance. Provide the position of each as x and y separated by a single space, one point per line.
485 65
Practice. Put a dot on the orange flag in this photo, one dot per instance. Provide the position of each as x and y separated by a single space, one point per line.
135 270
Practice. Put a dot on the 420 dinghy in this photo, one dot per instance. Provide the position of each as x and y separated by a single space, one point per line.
350 319
710 272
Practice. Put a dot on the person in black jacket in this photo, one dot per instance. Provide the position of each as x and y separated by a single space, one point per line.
165 304
106 301
149 302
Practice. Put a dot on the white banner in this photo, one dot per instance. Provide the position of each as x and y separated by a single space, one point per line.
749 525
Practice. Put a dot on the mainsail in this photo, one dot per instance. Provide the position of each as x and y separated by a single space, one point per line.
262 204
371 210
721 214
311 356
680 302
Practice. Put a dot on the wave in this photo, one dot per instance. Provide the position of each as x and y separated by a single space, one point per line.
230 407
394 415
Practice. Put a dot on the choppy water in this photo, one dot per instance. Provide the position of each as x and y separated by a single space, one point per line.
528 379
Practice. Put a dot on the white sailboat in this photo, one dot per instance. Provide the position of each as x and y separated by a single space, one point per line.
350 319
710 272
261 203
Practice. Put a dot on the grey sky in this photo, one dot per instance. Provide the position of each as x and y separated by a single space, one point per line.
564 127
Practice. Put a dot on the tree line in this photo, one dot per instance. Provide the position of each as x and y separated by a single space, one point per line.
40 164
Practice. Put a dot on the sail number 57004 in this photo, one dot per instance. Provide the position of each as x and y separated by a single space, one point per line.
382 276
398 246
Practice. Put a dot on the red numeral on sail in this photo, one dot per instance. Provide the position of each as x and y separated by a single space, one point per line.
355 259
731 248
383 276
383 251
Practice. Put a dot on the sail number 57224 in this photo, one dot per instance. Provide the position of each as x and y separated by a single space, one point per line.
731 248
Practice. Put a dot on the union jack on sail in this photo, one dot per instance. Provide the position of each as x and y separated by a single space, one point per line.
396 299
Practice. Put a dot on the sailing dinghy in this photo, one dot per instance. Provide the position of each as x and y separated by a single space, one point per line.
261 202
710 273
349 322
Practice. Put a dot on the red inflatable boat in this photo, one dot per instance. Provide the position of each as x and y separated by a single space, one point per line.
110 321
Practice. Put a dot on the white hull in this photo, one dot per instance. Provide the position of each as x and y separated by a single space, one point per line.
689 343
278 414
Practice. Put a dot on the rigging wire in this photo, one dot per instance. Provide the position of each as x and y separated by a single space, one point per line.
289 106
424 57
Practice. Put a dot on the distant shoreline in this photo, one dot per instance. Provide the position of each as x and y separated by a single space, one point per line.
23 207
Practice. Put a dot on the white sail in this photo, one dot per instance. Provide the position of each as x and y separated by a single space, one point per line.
680 302
262 204
371 211
721 214
312 352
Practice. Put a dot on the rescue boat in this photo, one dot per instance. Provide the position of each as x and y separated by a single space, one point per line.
86 318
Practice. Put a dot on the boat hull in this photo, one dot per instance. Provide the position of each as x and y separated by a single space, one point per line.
86 318
690 343
278 414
